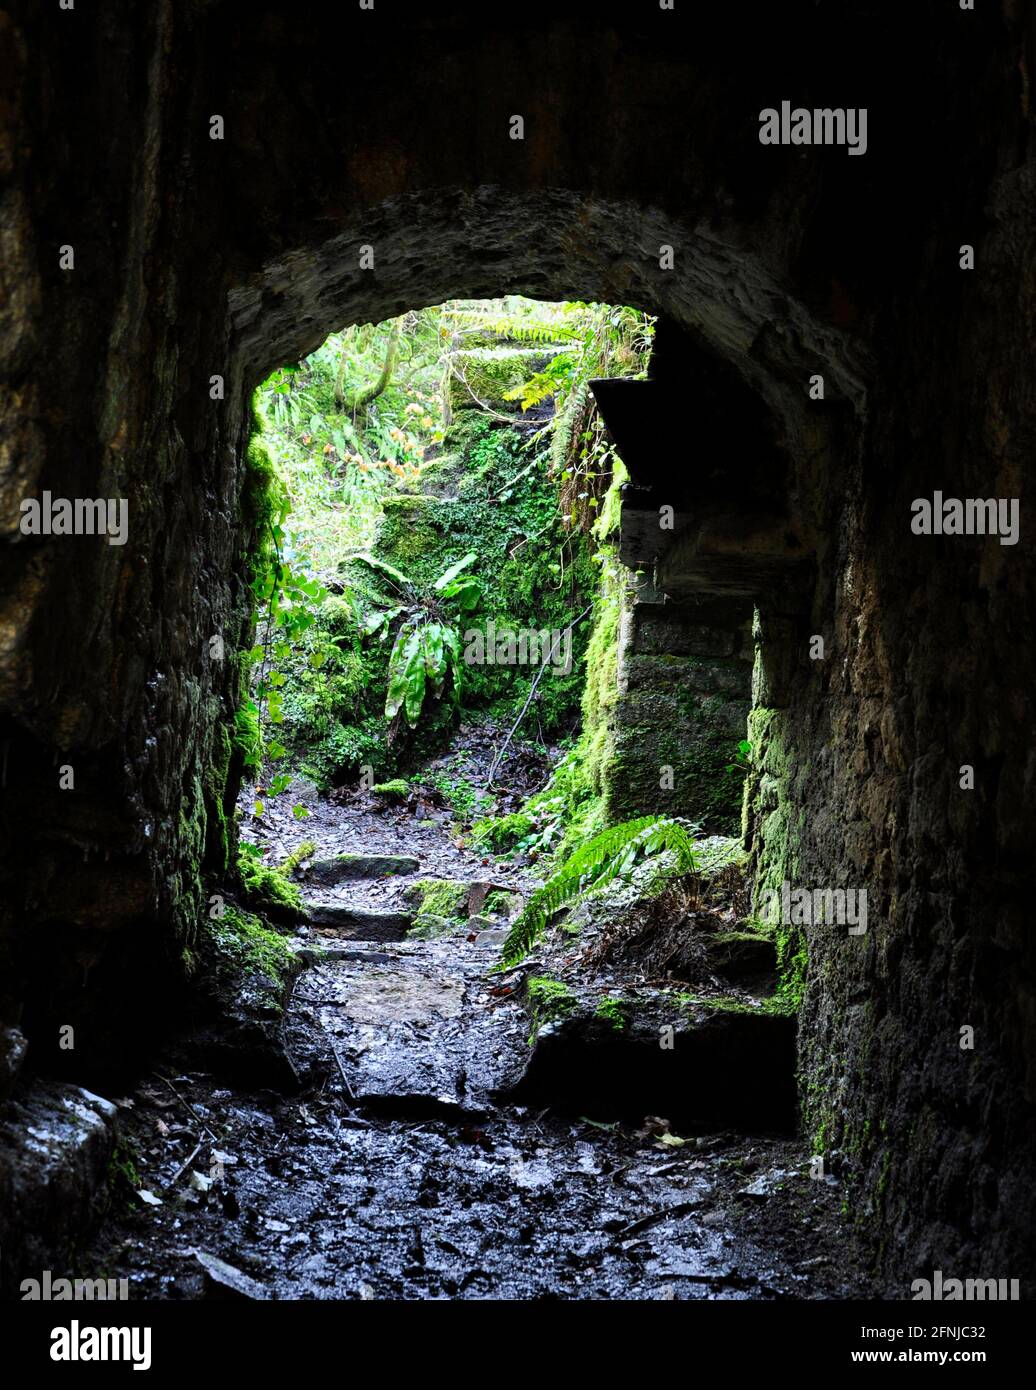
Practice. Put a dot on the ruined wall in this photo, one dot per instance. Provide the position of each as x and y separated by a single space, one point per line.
684 691
197 257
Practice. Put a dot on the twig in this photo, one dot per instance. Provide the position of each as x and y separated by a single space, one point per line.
528 701
187 1106
345 1080
185 1165
635 1227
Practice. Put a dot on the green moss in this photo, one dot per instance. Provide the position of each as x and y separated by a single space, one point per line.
440 897
729 1004
614 1011
240 942
217 829
549 1000
268 890
397 787
427 926
304 851
767 798
248 738
500 903
264 495
123 1174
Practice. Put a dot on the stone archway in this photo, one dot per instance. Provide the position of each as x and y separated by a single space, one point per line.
197 258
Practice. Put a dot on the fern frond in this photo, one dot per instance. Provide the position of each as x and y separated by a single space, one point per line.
604 858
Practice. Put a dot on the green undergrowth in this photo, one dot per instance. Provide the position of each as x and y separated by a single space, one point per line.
269 890
534 576
238 950
732 1004
548 1001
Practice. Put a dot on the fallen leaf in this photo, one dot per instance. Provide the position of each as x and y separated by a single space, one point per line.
670 1141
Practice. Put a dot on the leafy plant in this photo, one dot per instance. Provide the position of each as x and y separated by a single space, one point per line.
742 758
427 648
607 856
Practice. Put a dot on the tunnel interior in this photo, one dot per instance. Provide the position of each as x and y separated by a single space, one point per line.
823 358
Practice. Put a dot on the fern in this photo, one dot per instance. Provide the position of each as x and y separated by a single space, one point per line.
607 856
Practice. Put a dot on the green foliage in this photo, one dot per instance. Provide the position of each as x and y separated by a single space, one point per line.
503 833
238 943
387 494
265 889
463 799
609 855
614 1011
742 761
550 999
427 650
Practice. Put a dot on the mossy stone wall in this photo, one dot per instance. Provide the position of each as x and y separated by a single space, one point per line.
683 695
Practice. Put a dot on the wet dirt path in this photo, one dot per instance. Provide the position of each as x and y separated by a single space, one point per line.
400 1170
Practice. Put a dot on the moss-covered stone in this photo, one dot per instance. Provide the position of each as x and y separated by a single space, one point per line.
548 1001
614 1011
427 926
349 866
440 897
395 790
483 376
241 954
268 890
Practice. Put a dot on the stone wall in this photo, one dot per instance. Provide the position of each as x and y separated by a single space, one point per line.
197 257
684 693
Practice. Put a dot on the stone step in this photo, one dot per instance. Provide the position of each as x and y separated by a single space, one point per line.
416 1035
359 923
325 873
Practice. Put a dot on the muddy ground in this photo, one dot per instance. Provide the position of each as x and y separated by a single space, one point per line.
401 1168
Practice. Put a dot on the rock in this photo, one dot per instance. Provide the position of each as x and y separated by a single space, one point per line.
327 872
13 1048
222 1280
55 1145
360 924
729 1065
741 955
427 926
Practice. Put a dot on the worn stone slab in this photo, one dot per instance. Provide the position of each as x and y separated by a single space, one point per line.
421 1035
223 1281
342 867
359 923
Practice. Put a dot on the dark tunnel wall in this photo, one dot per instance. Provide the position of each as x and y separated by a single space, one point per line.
196 257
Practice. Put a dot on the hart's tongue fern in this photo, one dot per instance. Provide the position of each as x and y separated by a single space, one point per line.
609 855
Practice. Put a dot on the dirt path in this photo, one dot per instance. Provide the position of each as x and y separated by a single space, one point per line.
401 1171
